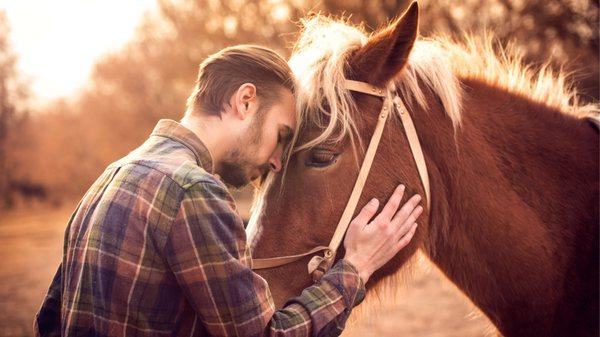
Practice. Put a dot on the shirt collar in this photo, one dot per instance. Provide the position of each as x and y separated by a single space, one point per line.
179 133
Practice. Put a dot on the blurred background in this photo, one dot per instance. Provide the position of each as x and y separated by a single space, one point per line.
83 82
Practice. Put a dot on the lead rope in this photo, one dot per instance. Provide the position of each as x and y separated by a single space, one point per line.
319 265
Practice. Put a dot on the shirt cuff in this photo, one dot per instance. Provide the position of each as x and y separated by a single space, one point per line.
344 276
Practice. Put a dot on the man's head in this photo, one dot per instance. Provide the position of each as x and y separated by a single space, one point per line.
248 92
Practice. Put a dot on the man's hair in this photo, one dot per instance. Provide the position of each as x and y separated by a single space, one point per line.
222 73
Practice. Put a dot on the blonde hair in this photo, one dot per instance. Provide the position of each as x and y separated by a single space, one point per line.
320 57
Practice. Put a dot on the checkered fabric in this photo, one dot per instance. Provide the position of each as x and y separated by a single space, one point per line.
156 248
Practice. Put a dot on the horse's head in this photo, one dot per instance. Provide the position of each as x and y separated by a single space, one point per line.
301 208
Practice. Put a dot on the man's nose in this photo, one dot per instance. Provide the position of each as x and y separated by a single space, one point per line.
275 164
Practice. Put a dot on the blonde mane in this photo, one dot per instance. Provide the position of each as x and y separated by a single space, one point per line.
320 58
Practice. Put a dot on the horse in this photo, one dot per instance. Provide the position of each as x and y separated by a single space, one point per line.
512 163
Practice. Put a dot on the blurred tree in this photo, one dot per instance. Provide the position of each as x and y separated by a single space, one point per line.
129 90
151 77
563 32
12 96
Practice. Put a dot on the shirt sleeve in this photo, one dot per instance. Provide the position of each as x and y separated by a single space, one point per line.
47 319
207 252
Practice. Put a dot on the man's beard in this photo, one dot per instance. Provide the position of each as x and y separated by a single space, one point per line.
234 170
233 174
236 166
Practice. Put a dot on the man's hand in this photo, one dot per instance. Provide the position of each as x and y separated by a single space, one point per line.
370 245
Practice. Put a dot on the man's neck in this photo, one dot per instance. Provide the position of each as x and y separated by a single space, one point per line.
210 133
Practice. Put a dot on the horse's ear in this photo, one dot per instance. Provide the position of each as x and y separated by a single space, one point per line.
386 52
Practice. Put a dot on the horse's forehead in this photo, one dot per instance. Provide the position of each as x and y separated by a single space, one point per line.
308 132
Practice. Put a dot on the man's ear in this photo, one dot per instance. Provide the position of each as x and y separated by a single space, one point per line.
387 51
244 102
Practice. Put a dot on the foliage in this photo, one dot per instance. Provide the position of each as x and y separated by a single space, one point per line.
12 102
64 146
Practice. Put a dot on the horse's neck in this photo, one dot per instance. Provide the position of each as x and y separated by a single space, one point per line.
515 201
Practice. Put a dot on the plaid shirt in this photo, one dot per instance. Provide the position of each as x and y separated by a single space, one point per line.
157 248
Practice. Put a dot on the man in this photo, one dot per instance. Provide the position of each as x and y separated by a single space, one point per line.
156 247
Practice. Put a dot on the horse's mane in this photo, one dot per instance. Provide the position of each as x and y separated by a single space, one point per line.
320 57
483 58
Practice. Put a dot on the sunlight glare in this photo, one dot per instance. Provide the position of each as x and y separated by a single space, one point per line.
58 41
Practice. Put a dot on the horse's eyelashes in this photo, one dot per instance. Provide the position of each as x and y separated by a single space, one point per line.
321 158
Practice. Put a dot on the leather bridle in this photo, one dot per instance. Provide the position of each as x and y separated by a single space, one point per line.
318 265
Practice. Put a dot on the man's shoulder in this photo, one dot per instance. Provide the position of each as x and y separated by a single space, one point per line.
177 165
183 173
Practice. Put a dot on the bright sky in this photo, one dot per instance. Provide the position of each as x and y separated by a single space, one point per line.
57 41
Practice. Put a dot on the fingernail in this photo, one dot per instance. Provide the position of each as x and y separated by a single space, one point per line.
418 197
374 201
401 187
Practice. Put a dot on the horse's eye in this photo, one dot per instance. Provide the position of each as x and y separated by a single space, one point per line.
320 158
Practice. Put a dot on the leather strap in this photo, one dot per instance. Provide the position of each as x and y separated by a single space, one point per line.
283 260
415 146
365 88
318 265
325 262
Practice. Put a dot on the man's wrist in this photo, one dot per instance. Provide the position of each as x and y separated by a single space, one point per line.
362 270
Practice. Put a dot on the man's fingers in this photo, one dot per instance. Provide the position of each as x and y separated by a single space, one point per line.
404 212
406 238
408 224
412 218
391 206
366 213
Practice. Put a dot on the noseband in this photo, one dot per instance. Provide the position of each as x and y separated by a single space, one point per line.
318 265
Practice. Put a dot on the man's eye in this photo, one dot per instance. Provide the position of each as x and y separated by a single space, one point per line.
321 158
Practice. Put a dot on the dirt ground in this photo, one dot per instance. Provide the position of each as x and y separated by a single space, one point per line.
30 251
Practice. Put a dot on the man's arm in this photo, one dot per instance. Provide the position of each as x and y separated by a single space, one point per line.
47 320
207 253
